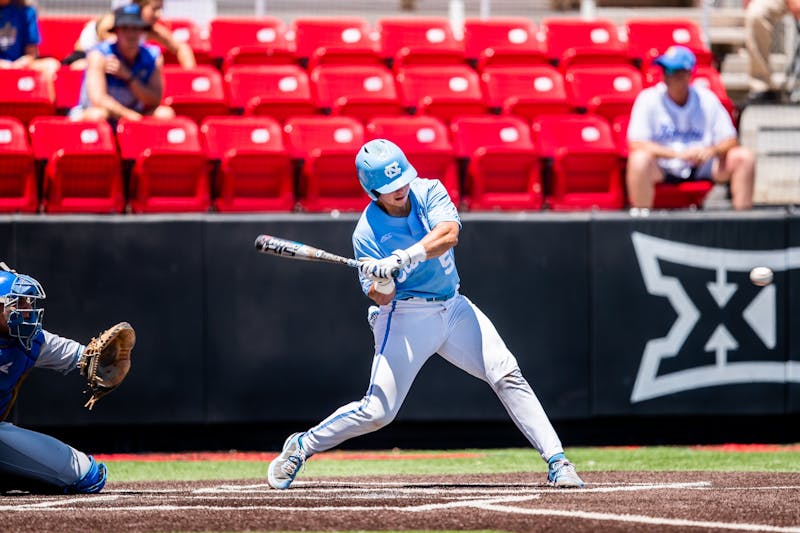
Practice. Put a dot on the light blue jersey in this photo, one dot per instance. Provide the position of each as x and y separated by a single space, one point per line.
378 234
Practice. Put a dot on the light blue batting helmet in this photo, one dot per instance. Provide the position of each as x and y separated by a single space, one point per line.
21 297
382 168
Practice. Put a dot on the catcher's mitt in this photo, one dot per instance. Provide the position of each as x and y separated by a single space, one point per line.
106 360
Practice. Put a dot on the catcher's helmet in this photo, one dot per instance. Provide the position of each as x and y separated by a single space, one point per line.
21 297
382 167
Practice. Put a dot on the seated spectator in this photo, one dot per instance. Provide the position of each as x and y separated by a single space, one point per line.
123 78
679 132
20 38
101 29
760 20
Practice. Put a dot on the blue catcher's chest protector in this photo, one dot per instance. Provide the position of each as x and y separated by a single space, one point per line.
15 363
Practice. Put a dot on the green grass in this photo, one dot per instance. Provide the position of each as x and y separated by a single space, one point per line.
659 458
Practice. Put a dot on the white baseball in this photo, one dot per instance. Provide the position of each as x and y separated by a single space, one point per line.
761 276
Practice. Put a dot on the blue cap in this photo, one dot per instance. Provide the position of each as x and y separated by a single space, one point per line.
677 58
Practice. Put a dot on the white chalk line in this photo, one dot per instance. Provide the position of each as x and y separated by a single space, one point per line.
496 504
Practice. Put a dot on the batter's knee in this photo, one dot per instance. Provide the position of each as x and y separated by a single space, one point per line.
375 416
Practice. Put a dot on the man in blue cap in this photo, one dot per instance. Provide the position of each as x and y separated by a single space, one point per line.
681 132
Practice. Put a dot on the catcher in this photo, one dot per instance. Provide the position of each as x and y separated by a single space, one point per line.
33 461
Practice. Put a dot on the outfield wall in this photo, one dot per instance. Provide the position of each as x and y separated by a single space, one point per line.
607 314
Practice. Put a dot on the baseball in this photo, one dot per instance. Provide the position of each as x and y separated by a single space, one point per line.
761 276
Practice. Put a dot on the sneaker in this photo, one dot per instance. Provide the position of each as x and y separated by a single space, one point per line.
284 468
561 474
92 482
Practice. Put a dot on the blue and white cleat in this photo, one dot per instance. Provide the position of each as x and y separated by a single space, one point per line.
561 473
284 468
92 482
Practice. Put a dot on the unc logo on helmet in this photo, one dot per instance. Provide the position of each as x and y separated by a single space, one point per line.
382 168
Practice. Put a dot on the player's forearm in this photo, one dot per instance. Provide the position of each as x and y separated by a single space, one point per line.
722 148
185 56
443 237
149 97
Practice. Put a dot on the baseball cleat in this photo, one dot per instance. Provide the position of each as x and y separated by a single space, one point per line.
561 474
92 482
284 468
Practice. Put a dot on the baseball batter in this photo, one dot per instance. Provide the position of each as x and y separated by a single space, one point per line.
29 460
412 223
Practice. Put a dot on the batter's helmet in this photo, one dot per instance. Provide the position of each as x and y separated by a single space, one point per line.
382 167
21 297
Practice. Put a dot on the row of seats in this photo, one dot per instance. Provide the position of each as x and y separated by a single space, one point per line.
228 41
247 164
368 91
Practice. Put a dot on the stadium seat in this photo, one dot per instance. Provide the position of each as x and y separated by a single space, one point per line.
280 91
169 166
578 40
441 91
188 31
499 33
82 172
326 147
59 34
503 169
255 172
424 33
359 91
585 171
18 191
257 40
667 195
607 91
196 93
337 33
25 94
426 143
67 85
643 35
525 91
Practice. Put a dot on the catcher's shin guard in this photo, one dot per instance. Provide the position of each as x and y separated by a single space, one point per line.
92 482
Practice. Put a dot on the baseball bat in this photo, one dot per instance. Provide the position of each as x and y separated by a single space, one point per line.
267 244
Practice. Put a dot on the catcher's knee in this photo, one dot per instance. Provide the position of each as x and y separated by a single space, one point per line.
92 482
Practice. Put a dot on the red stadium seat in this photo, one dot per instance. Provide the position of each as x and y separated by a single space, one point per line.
327 147
280 91
169 172
646 34
196 93
18 192
67 85
255 172
59 34
607 90
585 162
598 38
499 33
82 172
360 91
189 32
441 91
526 91
347 33
25 94
258 40
667 195
426 143
504 168
426 33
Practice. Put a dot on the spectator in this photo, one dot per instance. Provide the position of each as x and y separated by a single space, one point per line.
123 78
679 132
760 20
20 38
101 29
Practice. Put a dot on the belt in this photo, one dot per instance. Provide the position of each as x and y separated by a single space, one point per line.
443 298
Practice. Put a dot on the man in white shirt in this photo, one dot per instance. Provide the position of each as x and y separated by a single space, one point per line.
680 132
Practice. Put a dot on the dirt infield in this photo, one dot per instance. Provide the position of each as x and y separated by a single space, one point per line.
619 501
